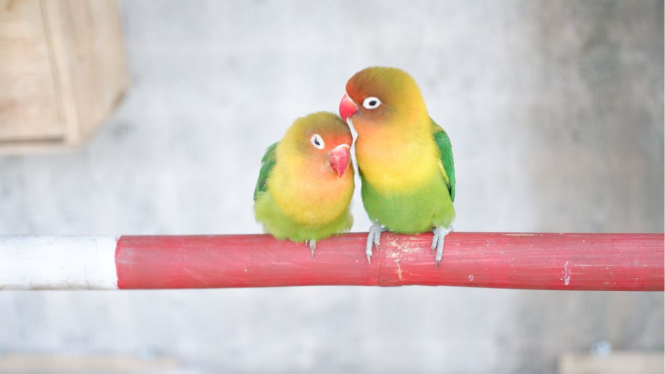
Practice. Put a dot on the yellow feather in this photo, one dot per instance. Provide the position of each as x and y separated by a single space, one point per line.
298 184
296 199
397 159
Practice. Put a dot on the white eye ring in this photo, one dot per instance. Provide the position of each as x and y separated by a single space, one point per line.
371 102
317 141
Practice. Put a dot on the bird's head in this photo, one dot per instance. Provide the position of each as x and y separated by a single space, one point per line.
322 141
381 96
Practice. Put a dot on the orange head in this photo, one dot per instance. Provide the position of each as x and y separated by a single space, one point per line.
381 96
320 142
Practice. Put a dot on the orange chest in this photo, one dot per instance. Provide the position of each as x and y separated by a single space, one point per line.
311 200
394 165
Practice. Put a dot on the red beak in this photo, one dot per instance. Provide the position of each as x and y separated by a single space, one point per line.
339 159
347 108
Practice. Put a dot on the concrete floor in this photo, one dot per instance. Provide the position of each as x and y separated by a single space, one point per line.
555 111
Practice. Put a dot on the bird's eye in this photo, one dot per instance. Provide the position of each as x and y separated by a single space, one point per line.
371 102
317 141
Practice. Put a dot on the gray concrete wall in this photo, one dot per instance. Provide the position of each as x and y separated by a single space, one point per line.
555 111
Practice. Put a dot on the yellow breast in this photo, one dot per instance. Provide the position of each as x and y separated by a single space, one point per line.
311 199
395 164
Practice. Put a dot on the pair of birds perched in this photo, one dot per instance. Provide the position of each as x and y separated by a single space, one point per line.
405 161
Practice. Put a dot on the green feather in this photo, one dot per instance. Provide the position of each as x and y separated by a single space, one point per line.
282 226
446 150
267 163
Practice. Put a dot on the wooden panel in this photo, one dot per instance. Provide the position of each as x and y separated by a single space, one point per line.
74 364
90 61
615 363
28 104
62 71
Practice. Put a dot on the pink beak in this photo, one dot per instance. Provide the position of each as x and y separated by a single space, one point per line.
339 159
347 108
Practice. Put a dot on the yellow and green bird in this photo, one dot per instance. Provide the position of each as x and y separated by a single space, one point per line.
305 184
404 158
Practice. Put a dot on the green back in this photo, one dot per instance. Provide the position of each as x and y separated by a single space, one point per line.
446 149
267 163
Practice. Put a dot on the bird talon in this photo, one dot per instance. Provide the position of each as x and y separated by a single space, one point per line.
373 239
440 233
312 246
377 239
435 239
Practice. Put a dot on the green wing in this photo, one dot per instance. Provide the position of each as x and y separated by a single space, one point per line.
267 163
446 149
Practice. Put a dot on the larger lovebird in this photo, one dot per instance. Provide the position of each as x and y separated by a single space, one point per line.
404 158
305 184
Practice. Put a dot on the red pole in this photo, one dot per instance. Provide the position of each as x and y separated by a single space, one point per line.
607 262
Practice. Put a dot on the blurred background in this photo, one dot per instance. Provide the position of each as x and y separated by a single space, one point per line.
555 112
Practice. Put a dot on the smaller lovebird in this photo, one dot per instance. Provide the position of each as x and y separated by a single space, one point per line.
306 181
405 159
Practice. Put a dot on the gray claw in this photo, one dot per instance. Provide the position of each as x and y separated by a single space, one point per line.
312 246
377 239
440 233
373 239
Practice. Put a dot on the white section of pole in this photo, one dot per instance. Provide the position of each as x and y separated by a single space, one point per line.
58 262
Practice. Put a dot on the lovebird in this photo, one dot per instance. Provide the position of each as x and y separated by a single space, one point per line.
306 183
405 159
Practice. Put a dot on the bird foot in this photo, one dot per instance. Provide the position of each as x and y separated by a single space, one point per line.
373 239
440 233
312 246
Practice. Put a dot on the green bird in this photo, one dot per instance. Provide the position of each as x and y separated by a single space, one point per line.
305 185
404 158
